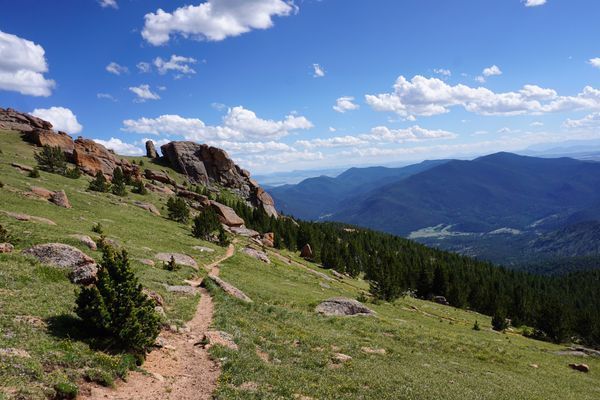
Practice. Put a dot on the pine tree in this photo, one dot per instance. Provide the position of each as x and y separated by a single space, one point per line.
223 238
139 188
439 285
206 224
99 184
51 159
178 210
118 183
116 310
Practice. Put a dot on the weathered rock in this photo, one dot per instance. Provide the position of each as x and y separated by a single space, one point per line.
341 306
257 254
218 338
243 231
337 274
203 249
441 300
6 248
45 137
340 358
371 350
206 164
181 259
60 199
226 214
86 240
306 252
25 217
148 207
12 352
83 268
92 157
22 167
186 194
151 150
155 297
230 289
580 367
12 120
41 192
159 189
268 239
158 176
147 262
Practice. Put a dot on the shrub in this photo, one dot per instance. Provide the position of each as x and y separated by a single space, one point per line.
178 210
499 322
97 228
34 173
139 188
223 238
99 184
171 265
5 237
1 184
51 159
141 163
116 310
476 326
73 173
206 224
118 182
99 376
66 391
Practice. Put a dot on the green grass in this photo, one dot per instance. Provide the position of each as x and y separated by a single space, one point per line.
58 355
431 351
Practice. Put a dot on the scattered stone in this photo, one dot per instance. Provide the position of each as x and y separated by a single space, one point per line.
83 267
86 240
152 295
580 367
158 176
159 189
219 338
157 376
230 289
60 199
337 274
147 262
200 198
341 306
203 249
148 207
22 167
151 150
41 192
182 289
25 217
268 239
180 259
306 252
324 285
243 231
585 350
11 352
534 366
441 300
6 248
257 254
340 358
227 215
370 350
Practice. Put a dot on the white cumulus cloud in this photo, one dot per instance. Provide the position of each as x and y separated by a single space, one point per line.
143 93
22 66
534 3
595 62
494 70
62 119
176 63
108 3
214 20
431 96
345 103
116 69
120 147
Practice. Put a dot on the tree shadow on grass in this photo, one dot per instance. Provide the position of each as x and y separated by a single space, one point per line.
67 326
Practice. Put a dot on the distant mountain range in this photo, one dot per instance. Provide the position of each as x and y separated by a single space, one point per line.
503 207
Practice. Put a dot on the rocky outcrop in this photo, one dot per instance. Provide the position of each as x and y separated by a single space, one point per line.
159 176
218 338
148 207
42 193
151 150
226 215
257 254
11 120
207 165
341 306
83 268
22 167
306 252
268 239
6 248
180 259
159 189
92 157
41 137
60 199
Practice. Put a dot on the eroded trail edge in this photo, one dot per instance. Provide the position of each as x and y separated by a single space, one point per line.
181 369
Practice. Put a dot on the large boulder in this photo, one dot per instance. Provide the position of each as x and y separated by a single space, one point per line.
180 259
342 306
60 199
158 176
92 157
307 252
226 215
257 254
44 137
83 268
11 120
230 289
211 165
151 150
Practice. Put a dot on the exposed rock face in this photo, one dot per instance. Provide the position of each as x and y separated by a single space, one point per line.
341 306
259 255
158 176
226 214
159 189
207 164
41 192
60 199
6 248
151 150
92 157
242 231
219 338
41 137
12 120
83 268
22 167
268 239
180 259
148 207
306 252
230 289
441 300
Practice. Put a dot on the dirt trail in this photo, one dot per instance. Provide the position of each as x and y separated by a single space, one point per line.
180 370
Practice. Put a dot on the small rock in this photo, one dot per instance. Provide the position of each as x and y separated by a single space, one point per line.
203 249
341 306
22 167
259 255
268 239
158 377
60 199
370 350
213 338
534 366
86 240
11 352
580 367
249 386
245 232
181 259
148 207
324 285
337 274
230 289
146 261
340 358
6 248
41 192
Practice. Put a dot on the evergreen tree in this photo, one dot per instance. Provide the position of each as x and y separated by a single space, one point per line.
139 188
73 173
116 310
499 322
223 238
178 210
439 285
99 184
118 182
34 173
51 159
423 285
206 224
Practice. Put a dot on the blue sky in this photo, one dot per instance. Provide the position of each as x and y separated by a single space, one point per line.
308 84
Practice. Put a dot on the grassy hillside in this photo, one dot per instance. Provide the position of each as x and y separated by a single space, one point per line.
412 349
